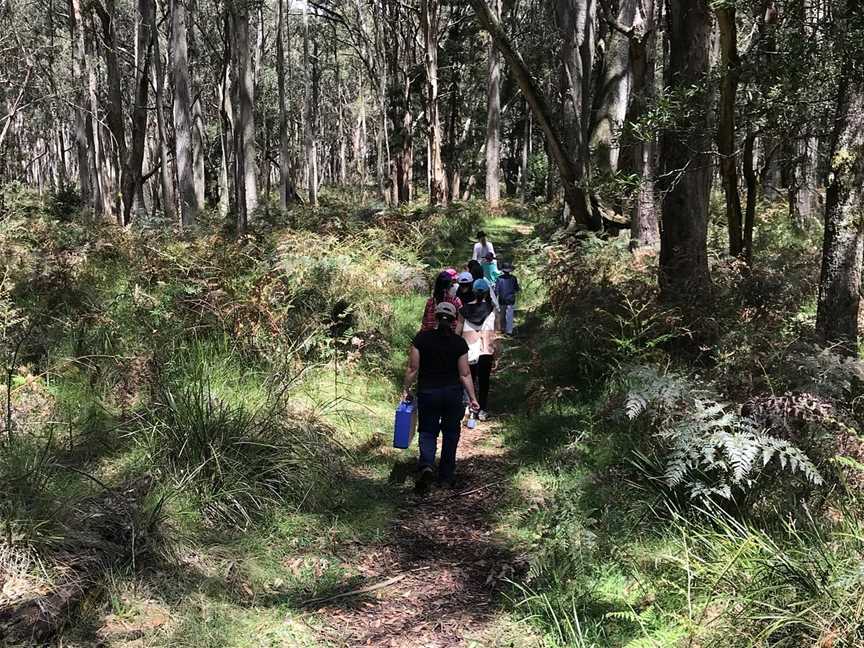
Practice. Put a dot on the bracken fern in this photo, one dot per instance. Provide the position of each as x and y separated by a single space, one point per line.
708 448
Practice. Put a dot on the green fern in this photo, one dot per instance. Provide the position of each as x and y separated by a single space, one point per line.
710 449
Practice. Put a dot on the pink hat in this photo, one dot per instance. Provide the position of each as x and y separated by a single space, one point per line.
451 272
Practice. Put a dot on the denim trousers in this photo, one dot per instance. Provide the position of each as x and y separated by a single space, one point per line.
509 315
440 410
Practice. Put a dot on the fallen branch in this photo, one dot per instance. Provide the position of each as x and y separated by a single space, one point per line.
364 590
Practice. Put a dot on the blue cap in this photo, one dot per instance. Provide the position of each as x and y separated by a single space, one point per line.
465 278
481 285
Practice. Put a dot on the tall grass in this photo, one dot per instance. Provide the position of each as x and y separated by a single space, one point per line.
237 460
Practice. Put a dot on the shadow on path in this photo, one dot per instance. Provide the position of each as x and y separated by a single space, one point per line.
443 564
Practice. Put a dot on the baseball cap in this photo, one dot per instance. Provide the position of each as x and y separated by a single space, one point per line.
481 285
445 309
465 278
451 272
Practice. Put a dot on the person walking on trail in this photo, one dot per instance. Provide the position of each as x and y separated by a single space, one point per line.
464 287
490 269
507 287
477 271
438 360
441 293
482 247
477 325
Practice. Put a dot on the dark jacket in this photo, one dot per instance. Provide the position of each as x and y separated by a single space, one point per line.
506 288
476 312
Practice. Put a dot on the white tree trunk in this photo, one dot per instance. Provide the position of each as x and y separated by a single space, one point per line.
189 205
493 120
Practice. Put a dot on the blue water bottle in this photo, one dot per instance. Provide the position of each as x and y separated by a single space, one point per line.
472 420
405 424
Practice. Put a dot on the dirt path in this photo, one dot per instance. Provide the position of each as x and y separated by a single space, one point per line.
441 568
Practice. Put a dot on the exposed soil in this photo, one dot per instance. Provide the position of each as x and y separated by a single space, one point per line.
436 582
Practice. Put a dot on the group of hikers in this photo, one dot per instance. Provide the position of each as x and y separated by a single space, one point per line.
454 354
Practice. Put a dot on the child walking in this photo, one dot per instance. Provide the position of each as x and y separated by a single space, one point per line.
507 287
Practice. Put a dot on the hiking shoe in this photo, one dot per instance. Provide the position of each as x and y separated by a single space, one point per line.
483 415
424 479
448 484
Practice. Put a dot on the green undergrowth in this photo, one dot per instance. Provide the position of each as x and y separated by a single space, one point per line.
244 388
662 497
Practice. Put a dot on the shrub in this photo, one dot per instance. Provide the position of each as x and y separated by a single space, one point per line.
238 462
706 447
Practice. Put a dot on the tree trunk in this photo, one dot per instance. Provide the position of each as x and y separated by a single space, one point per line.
430 17
615 87
189 206
98 168
285 190
79 65
244 112
227 94
574 194
576 27
730 72
644 229
493 119
114 112
686 154
198 152
752 184
843 246
310 144
131 179
801 181
166 175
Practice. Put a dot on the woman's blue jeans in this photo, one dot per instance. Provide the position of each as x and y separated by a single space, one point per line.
440 410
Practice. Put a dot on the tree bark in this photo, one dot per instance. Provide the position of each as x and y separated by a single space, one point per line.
131 180
310 144
577 26
493 119
726 21
575 196
686 154
285 190
166 175
843 246
430 18
614 89
227 91
79 63
752 183
114 112
189 206
644 228
244 110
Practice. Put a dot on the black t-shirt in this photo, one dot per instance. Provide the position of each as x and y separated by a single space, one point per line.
440 351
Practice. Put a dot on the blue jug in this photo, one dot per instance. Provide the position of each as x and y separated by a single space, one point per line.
405 424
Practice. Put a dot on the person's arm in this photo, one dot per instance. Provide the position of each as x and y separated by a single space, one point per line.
467 381
410 372
476 253
460 325
491 247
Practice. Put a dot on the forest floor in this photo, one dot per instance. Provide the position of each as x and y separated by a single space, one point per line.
436 580
439 576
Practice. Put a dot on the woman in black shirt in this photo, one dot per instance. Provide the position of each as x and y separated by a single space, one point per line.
439 362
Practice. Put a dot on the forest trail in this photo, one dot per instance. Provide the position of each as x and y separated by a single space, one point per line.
436 580
437 576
